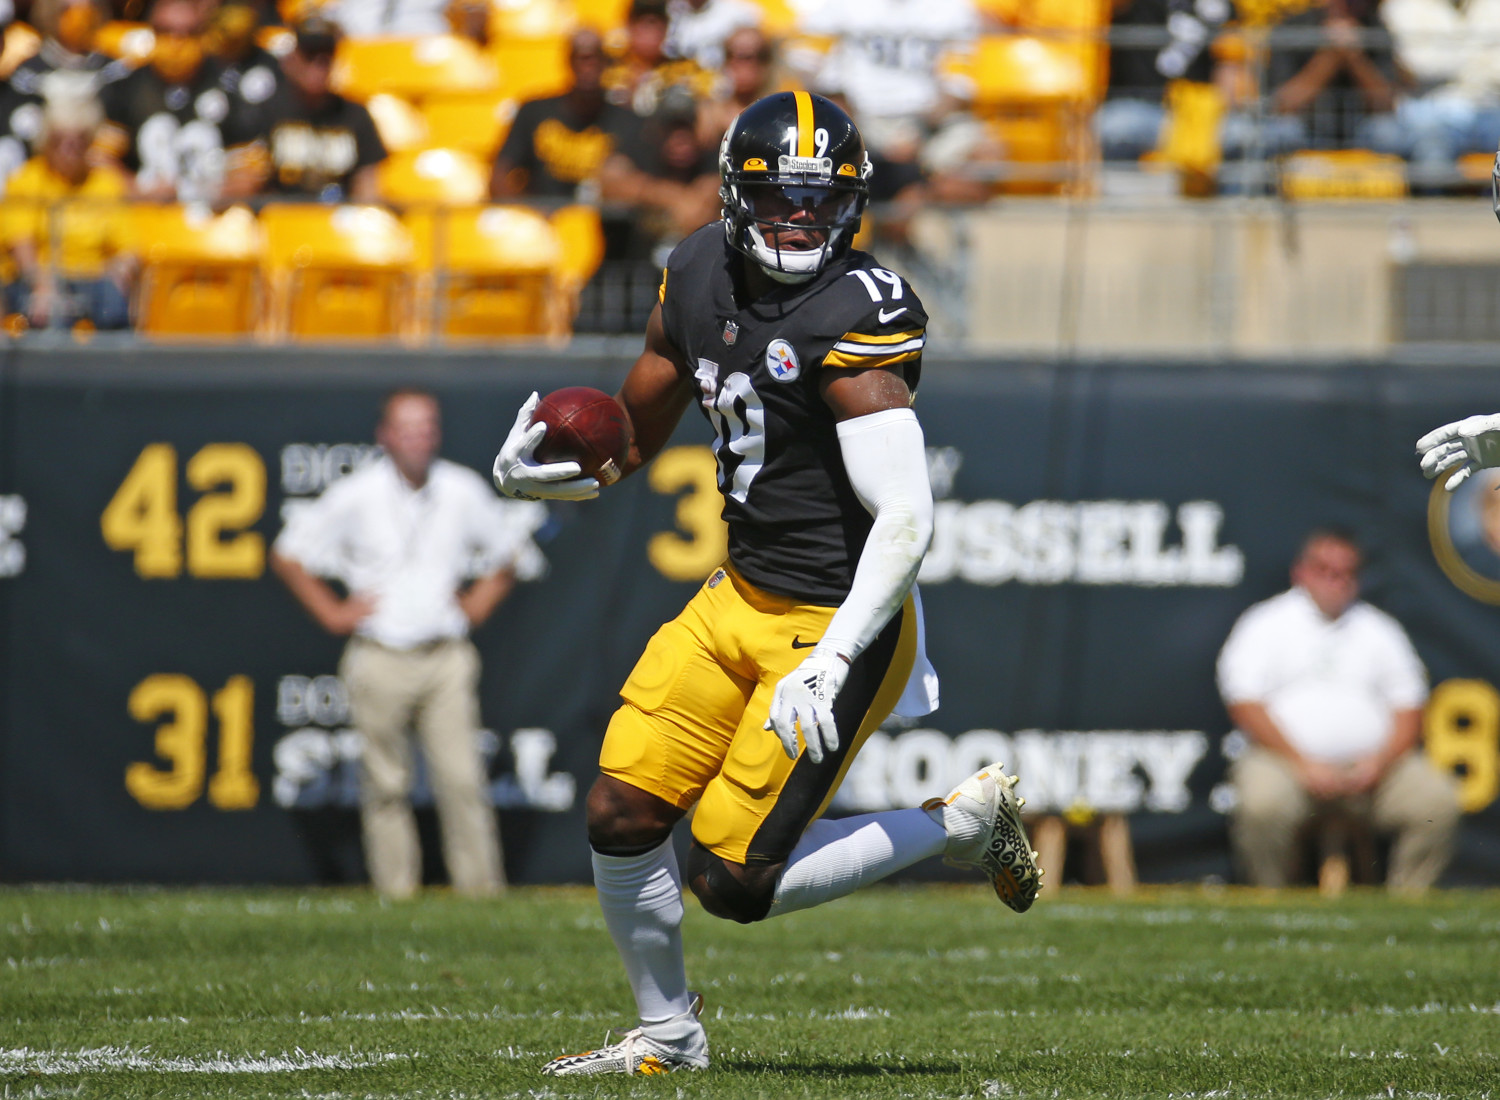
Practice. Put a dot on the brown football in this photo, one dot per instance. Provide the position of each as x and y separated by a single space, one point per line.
586 426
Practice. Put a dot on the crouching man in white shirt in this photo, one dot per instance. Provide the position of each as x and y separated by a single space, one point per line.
405 535
1329 692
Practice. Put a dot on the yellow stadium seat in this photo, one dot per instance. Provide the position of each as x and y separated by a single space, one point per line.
1190 139
602 15
411 68
130 41
200 273
532 67
531 18
581 237
401 126
338 271
1036 94
778 18
474 123
494 271
21 42
1343 174
447 177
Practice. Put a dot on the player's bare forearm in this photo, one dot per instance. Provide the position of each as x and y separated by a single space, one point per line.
479 600
851 393
654 395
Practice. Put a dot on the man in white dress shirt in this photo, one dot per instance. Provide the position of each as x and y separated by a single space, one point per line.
1329 692
405 534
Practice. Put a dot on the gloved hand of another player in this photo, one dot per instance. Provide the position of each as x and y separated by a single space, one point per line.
1472 443
518 474
804 698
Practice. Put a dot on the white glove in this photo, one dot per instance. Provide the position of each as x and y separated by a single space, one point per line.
517 474
1472 444
804 698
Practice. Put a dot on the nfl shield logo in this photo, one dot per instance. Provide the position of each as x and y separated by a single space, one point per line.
731 332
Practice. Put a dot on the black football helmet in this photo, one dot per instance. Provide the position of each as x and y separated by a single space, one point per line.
793 161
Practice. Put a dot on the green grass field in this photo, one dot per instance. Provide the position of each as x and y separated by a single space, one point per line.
902 992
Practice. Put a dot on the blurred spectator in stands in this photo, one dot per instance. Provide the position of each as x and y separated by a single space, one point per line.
698 29
641 72
675 187
1130 119
558 147
388 18
59 198
249 69
67 28
312 143
1336 93
749 73
167 122
884 63
1329 692
470 19
1452 52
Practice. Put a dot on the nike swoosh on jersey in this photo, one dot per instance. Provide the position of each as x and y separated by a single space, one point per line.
798 643
887 317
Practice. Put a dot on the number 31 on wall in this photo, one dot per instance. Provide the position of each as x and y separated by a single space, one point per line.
142 516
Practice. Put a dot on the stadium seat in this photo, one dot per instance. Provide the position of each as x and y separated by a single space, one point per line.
447 177
337 271
532 67
475 123
581 237
602 15
20 43
411 68
400 124
1343 174
131 41
511 19
1190 139
1036 95
492 271
200 273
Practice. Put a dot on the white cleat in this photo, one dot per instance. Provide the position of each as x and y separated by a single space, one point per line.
637 1054
982 816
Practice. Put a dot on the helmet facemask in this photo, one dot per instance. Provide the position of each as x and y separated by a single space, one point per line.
808 224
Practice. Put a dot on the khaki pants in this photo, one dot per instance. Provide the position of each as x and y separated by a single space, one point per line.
1415 801
435 690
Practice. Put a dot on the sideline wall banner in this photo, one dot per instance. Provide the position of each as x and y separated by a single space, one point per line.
168 714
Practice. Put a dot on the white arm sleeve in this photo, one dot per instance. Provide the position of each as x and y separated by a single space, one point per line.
886 459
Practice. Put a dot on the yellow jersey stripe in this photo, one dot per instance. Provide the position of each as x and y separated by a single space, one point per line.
661 291
804 124
843 359
896 338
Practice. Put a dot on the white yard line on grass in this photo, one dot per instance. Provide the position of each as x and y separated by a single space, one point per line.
102 1059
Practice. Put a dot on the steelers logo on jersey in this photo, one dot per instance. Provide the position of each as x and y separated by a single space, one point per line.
781 361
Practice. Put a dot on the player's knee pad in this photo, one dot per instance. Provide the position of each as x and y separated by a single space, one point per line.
721 894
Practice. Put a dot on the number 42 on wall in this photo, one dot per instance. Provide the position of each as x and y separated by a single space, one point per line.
142 515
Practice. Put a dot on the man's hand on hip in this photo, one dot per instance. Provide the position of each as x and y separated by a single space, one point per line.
344 617
518 474
804 698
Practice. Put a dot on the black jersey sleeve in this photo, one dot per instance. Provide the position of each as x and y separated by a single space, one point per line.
882 320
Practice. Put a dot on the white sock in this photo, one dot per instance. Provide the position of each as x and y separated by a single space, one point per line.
642 901
835 858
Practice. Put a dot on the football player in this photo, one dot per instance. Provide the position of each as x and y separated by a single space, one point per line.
804 355
1472 443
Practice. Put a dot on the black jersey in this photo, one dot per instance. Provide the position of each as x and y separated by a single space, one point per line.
796 527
